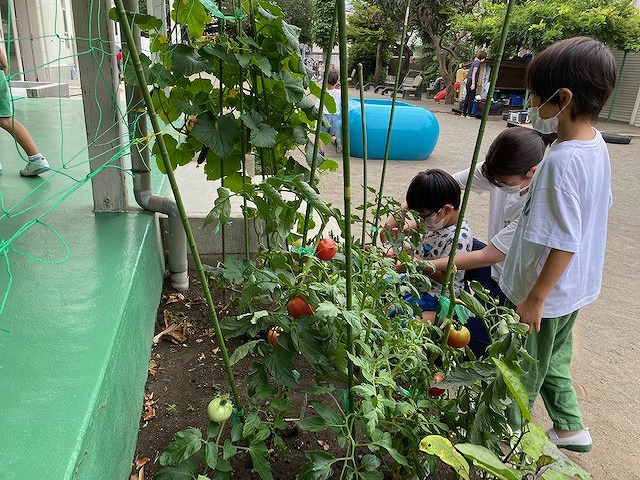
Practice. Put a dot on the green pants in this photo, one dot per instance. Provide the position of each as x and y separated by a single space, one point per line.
550 376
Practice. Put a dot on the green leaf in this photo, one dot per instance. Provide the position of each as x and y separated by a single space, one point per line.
472 304
311 196
187 61
243 350
385 442
487 460
251 424
293 86
370 462
332 417
217 132
192 15
281 367
185 443
262 134
312 424
221 210
213 10
259 454
513 383
445 451
185 471
320 466
143 21
211 454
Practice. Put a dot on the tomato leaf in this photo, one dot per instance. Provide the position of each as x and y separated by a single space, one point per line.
513 383
280 366
488 461
211 454
445 451
185 471
258 452
185 443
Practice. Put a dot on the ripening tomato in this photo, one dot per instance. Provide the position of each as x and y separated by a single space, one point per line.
297 307
326 249
435 391
220 409
459 338
272 336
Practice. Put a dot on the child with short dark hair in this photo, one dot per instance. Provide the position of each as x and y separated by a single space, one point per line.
554 266
335 125
435 196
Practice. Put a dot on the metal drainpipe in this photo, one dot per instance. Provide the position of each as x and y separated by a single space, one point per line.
177 238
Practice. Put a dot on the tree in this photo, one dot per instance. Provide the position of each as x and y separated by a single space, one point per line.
323 19
434 20
299 13
373 29
536 25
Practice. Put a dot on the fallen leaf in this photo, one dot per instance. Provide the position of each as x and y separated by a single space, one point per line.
324 445
153 367
176 332
175 298
149 411
141 462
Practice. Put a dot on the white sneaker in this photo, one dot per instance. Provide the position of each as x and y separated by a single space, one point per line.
579 442
35 167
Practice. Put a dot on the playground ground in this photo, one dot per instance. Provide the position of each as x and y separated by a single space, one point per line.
606 360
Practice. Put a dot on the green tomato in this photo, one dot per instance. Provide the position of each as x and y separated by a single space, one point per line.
220 409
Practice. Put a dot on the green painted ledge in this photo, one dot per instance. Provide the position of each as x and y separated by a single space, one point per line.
77 335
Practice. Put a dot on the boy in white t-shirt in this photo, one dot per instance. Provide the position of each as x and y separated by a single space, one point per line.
554 265
335 125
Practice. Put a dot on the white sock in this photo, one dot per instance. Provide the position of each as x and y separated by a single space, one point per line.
36 157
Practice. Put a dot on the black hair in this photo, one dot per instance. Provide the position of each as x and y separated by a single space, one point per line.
513 152
583 65
332 78
431 190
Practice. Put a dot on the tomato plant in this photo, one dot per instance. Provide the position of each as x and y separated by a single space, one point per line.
220 409
459 338
272 336
326 249
298 307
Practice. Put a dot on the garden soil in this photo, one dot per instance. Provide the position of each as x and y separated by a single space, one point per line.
606 360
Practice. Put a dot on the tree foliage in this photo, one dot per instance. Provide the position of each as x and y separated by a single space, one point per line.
536 25
435 22
323 18
374 26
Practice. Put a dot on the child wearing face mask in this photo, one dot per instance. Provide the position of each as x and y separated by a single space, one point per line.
506 174
435 195
555 262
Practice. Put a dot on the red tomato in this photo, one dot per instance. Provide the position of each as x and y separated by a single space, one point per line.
272 336
297 307
435 391
459 338
326 249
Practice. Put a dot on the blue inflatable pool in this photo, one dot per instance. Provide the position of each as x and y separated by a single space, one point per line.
413 137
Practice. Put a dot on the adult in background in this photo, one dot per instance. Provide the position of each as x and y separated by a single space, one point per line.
472 83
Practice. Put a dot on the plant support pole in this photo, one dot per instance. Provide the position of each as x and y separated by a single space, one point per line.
403 37
364 153
449 274
135 59
346 160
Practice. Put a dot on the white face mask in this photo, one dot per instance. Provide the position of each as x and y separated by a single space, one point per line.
515 189
432 227
544 125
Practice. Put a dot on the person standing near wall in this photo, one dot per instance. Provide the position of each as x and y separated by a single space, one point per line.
36 163
472 83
